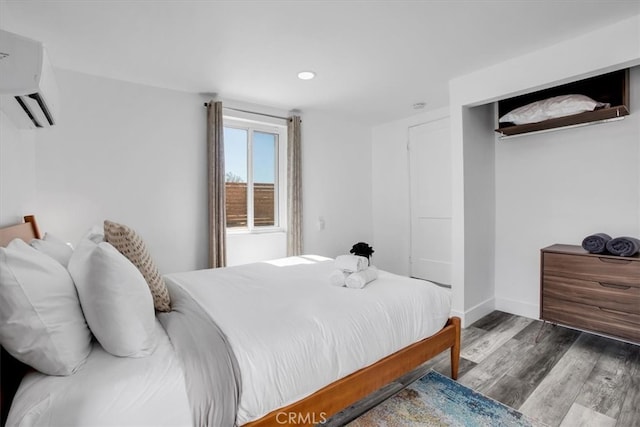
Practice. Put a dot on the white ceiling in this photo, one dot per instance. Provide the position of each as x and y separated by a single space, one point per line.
373 59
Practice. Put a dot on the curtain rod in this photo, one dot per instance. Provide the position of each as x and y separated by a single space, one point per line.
206 104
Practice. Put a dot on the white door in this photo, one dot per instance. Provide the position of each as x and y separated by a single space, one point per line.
430 182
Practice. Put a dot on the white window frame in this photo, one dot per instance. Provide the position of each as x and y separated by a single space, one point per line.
278 127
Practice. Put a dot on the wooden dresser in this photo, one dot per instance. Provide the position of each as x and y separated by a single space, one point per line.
598 293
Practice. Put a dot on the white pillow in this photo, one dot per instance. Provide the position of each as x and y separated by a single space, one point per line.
54 247
41 322
557 106
115 299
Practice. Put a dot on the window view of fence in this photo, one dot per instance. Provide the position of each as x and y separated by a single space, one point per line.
263 204
251 177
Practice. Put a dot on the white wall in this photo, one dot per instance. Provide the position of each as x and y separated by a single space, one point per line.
137 154
17 172
130 153
390 191
336 181
556 214
479 204
244 248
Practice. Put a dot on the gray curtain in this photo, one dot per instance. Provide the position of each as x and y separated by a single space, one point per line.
215 167
294 187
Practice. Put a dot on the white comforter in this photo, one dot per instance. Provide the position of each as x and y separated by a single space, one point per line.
293 333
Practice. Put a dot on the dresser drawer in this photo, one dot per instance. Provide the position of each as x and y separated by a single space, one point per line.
619 297
591 318
621 271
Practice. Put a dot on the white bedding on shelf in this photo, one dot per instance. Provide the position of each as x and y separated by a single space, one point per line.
291 331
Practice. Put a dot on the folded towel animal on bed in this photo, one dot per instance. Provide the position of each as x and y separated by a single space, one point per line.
351 263
624 246
338 277
596 243
360 279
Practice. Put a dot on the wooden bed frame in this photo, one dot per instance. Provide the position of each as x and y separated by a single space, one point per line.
339 395
311 410
26 231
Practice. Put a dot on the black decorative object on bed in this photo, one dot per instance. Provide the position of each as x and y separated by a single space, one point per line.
362 249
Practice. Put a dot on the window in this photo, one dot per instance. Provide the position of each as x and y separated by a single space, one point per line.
254 167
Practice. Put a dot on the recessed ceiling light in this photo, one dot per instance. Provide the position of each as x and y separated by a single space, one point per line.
306 75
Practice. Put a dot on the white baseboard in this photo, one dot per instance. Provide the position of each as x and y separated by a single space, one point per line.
520 308
476 312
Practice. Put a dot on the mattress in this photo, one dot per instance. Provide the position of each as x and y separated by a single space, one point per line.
293 333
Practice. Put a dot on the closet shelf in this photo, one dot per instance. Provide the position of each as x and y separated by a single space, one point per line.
600 115
611 88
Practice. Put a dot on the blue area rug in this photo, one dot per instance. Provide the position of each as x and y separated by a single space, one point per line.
436 400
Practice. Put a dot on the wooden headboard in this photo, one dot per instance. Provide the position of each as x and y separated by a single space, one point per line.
11 370
26 231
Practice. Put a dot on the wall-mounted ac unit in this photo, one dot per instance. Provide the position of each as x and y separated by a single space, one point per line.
28 91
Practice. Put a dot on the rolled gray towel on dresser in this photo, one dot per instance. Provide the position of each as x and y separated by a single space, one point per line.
624 246
596 243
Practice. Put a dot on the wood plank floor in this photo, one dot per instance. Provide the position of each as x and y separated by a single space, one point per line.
568 378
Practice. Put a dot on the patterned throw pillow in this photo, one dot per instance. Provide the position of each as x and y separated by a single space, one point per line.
131 245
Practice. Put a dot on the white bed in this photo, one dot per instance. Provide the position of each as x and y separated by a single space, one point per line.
300 344
293 333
